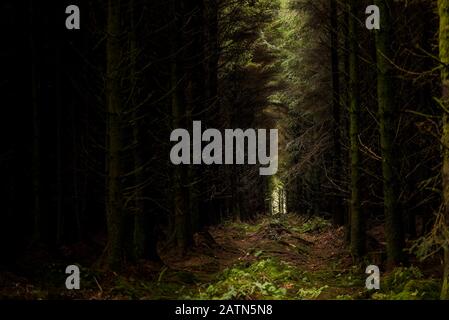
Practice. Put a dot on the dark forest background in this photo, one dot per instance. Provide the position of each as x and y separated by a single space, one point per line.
87 115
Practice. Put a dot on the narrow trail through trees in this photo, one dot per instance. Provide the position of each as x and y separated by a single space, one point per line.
275 257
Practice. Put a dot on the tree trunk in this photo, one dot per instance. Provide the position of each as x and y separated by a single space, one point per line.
357 220
388 114
338 211
211 57
193 59
36 134
346 103
142 239
114 201
443 8
181 217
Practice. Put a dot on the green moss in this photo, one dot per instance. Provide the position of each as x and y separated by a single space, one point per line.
413 290
397 280
423 289
263 279
408 284
270 278
315 224
244 227
310 294
344 297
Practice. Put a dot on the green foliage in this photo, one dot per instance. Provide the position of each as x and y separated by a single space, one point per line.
428 289
310 294
397 280
408 284
263 279
344 297
434 241
413 290
258 253
315 224
244 227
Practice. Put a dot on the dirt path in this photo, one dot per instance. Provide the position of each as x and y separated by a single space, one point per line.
305 259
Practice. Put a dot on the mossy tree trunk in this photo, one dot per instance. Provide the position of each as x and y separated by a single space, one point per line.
443 9
388 124
357 219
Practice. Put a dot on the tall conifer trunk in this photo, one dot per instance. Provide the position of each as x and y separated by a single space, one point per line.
388 124
357 220
114 199
443 9
338 213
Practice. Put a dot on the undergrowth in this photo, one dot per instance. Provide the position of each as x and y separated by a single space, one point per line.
263 279
408 284
315 224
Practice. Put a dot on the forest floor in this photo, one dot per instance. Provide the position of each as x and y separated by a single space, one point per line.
274 258
288 257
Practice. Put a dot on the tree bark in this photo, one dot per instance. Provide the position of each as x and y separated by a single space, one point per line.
181 217
443 9
357 219
338 211
388 124
36 134
114 201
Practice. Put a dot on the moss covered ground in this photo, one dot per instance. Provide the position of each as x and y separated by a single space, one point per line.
281 258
